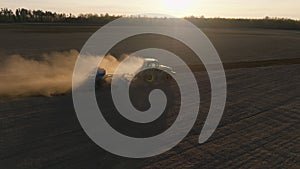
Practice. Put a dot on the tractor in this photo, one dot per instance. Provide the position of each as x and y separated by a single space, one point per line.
151 72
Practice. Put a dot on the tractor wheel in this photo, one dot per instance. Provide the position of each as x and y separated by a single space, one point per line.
149 77
168 77
164 77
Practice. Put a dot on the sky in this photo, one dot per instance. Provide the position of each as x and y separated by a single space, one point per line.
177 8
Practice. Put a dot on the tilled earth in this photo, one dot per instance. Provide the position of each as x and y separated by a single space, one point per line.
259 128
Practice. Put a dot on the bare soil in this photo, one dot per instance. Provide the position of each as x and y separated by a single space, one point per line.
259 128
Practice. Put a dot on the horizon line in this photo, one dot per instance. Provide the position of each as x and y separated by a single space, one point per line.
140 14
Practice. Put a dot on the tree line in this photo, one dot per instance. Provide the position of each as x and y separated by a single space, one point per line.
265 23
22 15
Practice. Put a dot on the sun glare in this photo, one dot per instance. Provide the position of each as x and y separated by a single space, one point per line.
177 7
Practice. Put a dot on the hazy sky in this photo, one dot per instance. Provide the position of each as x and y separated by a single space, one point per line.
208 8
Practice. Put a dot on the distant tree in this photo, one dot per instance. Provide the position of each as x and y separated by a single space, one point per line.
23 14
18 15
7 15
38 15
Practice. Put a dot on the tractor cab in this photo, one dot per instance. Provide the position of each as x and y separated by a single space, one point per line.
151 63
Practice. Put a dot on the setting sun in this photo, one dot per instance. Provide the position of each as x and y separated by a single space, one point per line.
176 4
177 7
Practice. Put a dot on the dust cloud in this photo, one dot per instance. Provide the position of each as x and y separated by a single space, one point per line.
51 74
